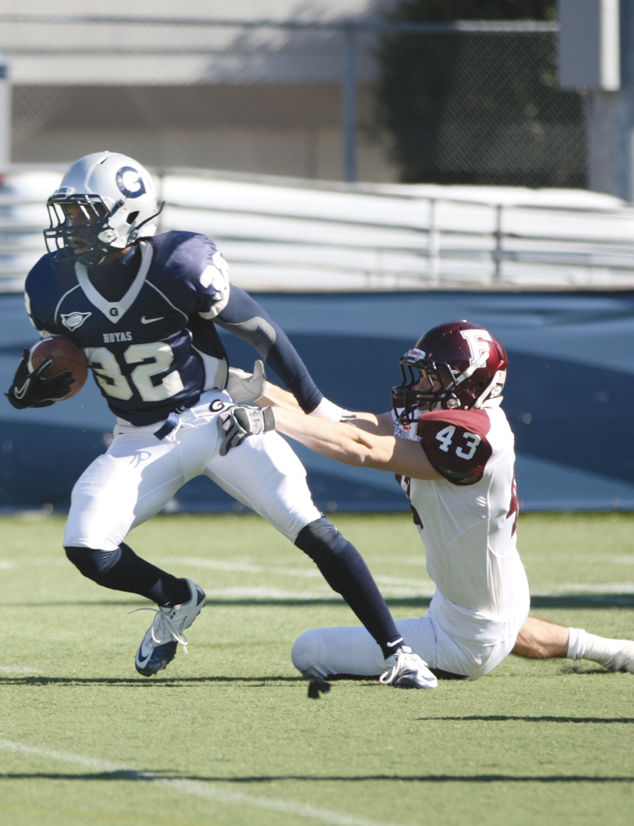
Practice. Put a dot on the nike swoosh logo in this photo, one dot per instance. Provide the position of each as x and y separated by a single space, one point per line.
146 320
20 393
144 653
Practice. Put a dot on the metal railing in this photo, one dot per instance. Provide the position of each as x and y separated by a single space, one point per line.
300 236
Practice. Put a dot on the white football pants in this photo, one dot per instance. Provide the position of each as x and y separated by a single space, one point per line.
139 474
449 638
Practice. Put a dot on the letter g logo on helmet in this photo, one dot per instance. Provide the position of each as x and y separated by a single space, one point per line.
130 182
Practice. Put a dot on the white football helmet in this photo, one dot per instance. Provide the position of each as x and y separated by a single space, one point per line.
118 202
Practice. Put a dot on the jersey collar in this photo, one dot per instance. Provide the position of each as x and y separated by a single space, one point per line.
115 310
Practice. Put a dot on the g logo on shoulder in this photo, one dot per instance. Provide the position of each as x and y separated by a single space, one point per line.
130 182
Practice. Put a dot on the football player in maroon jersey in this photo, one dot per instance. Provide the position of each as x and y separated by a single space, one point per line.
452 450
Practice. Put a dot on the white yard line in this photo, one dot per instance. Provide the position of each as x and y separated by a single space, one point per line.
424 591
396 560
28 563
261 592
608 559
197 788
239 567
279 570
397 587
582 588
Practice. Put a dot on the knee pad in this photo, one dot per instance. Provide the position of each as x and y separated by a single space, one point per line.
94 564
320 539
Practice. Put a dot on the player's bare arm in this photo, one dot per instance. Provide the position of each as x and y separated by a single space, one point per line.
355 445
379 425
278 398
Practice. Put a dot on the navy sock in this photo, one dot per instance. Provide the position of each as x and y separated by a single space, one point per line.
345 571
123 570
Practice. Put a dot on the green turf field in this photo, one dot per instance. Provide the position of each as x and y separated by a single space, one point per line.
228 735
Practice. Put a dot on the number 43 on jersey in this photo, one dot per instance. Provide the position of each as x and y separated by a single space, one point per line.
466 443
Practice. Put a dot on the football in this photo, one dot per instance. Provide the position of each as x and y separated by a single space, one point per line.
65 355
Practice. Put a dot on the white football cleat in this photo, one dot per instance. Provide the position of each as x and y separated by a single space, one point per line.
158 648
407 670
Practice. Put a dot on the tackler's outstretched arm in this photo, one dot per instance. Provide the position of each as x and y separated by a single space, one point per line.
356 446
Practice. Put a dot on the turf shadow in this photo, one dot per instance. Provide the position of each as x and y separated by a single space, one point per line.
136 776
503 718
136 682
581 601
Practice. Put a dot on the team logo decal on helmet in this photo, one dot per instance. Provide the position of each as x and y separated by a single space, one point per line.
455 365
478 344
130 182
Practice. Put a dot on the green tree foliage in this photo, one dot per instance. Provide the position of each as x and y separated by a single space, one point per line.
475 107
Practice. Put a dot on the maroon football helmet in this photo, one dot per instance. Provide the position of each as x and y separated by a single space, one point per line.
464 363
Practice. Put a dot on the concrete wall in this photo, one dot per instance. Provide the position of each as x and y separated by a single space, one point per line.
281 129
267 100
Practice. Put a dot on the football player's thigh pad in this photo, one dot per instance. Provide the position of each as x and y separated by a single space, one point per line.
122 488
265 475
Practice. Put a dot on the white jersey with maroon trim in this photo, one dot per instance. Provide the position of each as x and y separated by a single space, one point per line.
467 519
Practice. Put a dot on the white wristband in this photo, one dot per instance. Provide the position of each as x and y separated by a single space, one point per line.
328 410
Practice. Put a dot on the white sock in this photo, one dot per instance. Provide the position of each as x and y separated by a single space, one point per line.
585 646
576 643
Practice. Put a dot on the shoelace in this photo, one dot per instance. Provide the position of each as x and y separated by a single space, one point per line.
161 622
397 670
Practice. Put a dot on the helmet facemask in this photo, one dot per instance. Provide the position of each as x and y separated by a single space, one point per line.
408 401
94 236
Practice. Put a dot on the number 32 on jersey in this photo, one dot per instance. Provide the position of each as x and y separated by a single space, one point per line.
151 360
467 442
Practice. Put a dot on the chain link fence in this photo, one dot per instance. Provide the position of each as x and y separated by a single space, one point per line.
371 101
480 107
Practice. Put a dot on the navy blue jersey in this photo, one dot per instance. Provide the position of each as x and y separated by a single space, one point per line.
157 348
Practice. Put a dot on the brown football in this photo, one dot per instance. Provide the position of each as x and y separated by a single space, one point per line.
65 355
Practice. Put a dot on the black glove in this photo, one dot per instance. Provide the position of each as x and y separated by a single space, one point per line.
238 422
31 390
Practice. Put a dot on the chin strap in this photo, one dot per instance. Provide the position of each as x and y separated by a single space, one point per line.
135 233
485 399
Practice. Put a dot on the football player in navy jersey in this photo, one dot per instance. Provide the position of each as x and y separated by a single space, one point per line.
452 450
144 308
